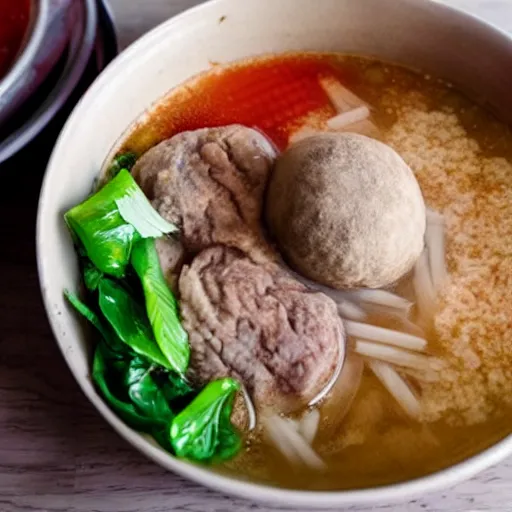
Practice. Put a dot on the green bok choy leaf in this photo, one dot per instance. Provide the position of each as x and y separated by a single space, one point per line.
109 222
125 410
107 334
203 430
147 407
144 407
161 306
145 393
129 321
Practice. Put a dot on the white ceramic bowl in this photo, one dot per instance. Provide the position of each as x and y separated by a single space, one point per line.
415 32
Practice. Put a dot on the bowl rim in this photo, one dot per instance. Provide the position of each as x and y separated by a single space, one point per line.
389 493
34 36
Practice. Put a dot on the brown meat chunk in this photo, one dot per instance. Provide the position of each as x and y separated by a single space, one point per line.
210 183
255 323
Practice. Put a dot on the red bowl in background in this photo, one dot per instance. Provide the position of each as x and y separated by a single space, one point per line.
33 35
14 19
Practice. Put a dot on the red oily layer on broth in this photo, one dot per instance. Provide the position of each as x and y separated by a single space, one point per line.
268 94
14 16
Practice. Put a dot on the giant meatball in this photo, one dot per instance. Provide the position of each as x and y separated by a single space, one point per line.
257 324
210 183
346 211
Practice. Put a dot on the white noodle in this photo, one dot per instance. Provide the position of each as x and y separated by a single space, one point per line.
397 356
434 217
381 298
421 375
434 238
307 455
294 423
304 133
397 319
338 403
398 388
291 443
280 440
346 307
251 410
348 118
341 98
409 326
351 311
423 287
335 294
365 127
386 336
308 426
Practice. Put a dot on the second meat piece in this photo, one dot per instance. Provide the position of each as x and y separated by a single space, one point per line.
254 322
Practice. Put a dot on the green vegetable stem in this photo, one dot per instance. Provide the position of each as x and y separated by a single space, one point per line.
122 161
203 430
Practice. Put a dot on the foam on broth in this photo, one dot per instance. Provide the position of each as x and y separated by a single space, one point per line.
462 158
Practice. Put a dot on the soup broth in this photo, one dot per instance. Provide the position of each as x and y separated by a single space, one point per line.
462 158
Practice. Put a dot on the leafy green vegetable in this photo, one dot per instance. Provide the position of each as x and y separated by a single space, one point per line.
203 430
148 408
161 436
145 393
84 310
92 276
102 231
110 337
122 161
175 387
141 391
107 223
134 416
140 363
161 306
129 321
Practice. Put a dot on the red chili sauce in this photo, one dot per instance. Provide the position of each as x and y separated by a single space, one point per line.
14 16
270 94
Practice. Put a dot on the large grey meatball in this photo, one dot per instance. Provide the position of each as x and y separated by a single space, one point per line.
346 211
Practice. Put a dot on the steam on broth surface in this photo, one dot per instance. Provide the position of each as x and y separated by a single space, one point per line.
462 158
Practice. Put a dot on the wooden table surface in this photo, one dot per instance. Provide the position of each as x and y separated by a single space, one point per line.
56 452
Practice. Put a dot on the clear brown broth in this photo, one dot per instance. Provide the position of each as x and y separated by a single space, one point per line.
376 444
